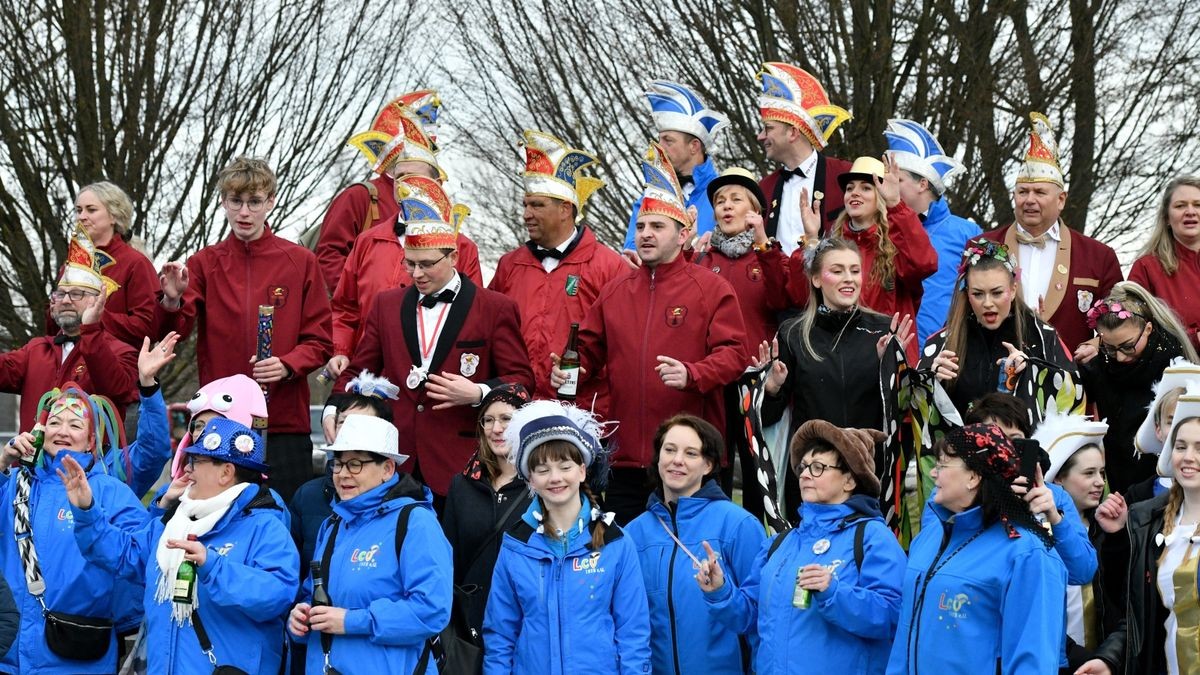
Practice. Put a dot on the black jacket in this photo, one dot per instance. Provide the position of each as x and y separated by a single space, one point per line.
10 617
1142 627
1109 601
469 521
1123 393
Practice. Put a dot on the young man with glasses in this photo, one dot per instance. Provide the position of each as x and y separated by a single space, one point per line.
444 340
82 350
219 292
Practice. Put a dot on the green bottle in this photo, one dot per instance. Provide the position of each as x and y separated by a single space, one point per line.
185 580
39 439
801 597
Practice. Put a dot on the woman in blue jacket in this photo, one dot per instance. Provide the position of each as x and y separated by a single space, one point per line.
984 591
74 434
567 594
384 562
833 581
687 508
244 560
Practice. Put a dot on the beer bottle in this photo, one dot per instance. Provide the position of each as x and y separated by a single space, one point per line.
185 580
320 595
569 364
39 439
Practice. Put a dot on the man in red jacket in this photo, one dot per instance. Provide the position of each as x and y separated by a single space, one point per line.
669 333
798 121
1062 272
556 275
82 351
445 339
220 290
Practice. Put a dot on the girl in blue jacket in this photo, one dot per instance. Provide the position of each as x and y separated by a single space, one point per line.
687 508
73 435
983 591
390 584
243 557
567 593
824 596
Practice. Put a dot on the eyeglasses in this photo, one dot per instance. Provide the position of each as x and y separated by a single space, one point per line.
75 295
425 265
353 466
1128 348
488 421
193 460
236 203
941 465
818 468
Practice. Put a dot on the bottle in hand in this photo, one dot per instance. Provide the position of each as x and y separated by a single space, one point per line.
320 597
39 439
569 364
185 580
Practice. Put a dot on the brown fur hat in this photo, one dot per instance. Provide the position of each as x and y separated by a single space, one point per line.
856 447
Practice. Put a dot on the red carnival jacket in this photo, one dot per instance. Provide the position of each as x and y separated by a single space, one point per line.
1181 291
344 222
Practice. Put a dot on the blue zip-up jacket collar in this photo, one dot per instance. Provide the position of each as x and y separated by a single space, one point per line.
702 175
394 493
709 492
561 547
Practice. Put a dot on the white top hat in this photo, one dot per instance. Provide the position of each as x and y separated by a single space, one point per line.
1187 408
1062 435
367 433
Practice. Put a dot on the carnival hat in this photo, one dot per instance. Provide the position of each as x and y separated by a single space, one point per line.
662 195
1188 408
82 269
678 108
740 177
367 433
1062 435
540 421
917 151
792 96
236 397
228 441
864 168
1176 376
552 169
855 446
432 221
404 130
1041 160
373 386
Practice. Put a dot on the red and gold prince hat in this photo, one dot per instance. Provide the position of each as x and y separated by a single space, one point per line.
555 170
1041 160
792 96
82 269
404 130
662 195
432 220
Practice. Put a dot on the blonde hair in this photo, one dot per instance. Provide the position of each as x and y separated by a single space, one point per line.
247 175
960 310
1162 243
1175 495
883 269
803 324
749 196
116 202
1145 307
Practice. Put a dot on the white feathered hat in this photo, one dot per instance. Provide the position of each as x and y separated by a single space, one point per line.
1062 435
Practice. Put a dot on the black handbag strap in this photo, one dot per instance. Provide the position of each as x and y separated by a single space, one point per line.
496 530
206 645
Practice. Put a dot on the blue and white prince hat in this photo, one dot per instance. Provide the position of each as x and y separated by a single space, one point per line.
537 422
917 151
678 108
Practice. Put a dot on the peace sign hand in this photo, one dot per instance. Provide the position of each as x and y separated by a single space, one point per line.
710 577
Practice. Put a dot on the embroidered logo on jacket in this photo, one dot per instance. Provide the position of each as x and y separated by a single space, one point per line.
277 296
954 606
676 315
365 557
225 548
754 273
588 565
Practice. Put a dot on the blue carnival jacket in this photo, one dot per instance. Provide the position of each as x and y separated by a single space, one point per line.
683 638
852 621
392 605
73 585
151 451
10 617
705 221
245 587
949 235
994 602
560 607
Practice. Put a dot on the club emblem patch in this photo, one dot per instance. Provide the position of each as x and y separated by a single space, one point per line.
572 285
676 315
754 273
277 296
468 364
1085 300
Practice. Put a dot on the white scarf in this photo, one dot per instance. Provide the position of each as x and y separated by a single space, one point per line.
194 516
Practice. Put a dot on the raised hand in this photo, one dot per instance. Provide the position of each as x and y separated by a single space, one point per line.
93 308
1016 358
710 577
152 358
74 479
173 280
901 329
754 221
945 366
777 375
810 215
889 184
1112 513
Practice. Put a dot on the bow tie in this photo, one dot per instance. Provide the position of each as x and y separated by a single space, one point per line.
686 180
786 174
429 301
543 253
400 227
63 338
1026 238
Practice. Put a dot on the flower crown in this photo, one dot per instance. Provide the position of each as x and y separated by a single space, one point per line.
1104 306
981 249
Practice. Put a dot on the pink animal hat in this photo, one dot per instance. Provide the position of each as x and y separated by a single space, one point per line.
237 397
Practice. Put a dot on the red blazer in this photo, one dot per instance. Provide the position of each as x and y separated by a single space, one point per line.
1085 271
550 302
479 323
343 222
99 363
374 265
1181 291
828 170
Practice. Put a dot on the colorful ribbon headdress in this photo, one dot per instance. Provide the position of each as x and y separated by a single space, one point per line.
404 130
662 195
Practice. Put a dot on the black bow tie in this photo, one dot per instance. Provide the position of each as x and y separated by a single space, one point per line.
786 174
686 180
63 338
400 227
429 301
543 253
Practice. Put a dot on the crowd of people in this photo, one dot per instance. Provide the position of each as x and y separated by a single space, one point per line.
960 451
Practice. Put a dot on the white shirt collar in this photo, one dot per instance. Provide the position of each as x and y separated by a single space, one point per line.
808 165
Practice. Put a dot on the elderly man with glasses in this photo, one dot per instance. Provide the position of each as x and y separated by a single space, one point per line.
219 292
82 350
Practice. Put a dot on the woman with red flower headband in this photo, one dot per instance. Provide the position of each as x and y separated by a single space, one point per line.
1138 337
984 592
